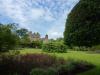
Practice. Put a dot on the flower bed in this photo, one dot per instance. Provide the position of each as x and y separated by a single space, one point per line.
38 64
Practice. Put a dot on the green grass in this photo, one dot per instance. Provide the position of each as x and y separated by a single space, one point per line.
29 50
76 55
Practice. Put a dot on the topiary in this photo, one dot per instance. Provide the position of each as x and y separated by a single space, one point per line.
83 24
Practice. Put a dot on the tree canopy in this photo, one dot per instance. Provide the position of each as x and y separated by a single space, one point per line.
8 37
83 24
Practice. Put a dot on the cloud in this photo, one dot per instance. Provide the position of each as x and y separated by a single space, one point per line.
44 16
57 30
13 11
37 13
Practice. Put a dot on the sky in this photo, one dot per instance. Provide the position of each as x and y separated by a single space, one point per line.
43 16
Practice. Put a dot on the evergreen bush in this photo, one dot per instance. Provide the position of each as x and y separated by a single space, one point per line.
54 47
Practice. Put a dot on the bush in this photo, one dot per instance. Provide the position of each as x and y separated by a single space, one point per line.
70 68
23 64
67 68
40 64
82 48
54 47
14 52
37 44
38 71
51 71
73 67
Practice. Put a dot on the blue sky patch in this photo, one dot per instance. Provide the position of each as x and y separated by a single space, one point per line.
43 16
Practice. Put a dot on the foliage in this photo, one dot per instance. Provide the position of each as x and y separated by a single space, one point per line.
81 48
73 67
37 44
61 40
11 37
54 47
25 61
76 55
23 64
97 47
25 40
38 71
70 68
13 52
83 25
8 37
22 32
24 37
51 71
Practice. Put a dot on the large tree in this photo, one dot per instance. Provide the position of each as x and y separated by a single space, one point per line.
24 37
22 32
83 24
8 37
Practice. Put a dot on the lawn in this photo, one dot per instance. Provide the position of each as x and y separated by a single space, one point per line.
76 55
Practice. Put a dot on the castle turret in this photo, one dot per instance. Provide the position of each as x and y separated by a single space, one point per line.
46 38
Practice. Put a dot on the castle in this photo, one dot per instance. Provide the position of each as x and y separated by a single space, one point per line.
37 37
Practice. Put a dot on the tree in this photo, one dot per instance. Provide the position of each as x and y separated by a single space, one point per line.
37 44
83 24
8 38
22 32
61 40
24 37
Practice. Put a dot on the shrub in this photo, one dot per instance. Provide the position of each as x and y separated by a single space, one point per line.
37 44
38 71
73 67
70 68
82 48
67 68
40 64
23 64
51 71
54 47
14 52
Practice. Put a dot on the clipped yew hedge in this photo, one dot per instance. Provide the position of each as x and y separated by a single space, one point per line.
54 47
